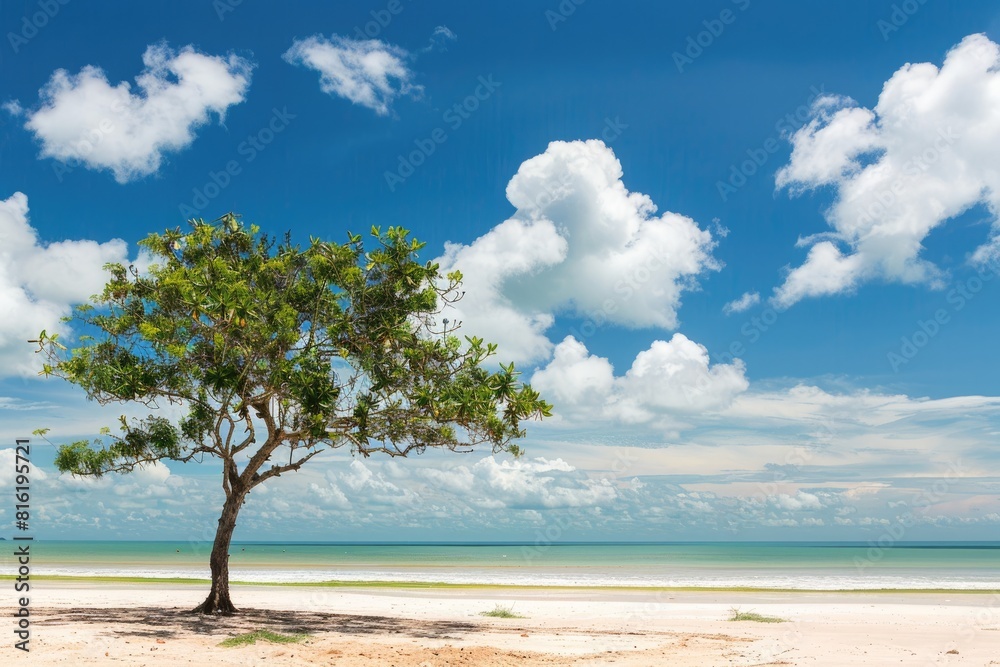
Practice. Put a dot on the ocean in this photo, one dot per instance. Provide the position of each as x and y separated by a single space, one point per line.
806 566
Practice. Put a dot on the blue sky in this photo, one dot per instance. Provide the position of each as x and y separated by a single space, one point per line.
749 250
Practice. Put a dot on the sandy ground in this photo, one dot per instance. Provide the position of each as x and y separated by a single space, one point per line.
90 624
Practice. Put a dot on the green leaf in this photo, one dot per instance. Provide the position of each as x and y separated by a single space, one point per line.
238 331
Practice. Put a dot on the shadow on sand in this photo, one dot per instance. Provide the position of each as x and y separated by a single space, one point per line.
160 623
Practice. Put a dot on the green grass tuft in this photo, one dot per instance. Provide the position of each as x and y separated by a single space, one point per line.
266 635
502 612
737 615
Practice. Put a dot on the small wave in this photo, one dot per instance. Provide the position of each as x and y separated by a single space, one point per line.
565 578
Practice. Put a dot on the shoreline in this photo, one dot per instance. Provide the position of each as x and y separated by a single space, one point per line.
418 585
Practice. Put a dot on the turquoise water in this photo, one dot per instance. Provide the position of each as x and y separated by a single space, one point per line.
769 565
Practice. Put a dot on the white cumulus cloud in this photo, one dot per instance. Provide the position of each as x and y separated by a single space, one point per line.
439 39
800 501
82 118
671 380
578 241
742 304
8 471
538 483
368 72
329 495
39 282
925 154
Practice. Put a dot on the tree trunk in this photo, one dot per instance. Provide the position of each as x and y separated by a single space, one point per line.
218 601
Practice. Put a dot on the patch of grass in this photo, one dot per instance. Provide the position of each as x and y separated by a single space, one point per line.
737 615
502 612
265 635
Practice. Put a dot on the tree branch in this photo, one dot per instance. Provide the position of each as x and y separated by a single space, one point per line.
275 471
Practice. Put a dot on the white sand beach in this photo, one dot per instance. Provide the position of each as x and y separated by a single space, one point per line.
85 623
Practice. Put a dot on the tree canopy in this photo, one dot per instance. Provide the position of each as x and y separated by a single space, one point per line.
262 346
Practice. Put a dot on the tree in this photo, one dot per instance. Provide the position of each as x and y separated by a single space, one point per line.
276 353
